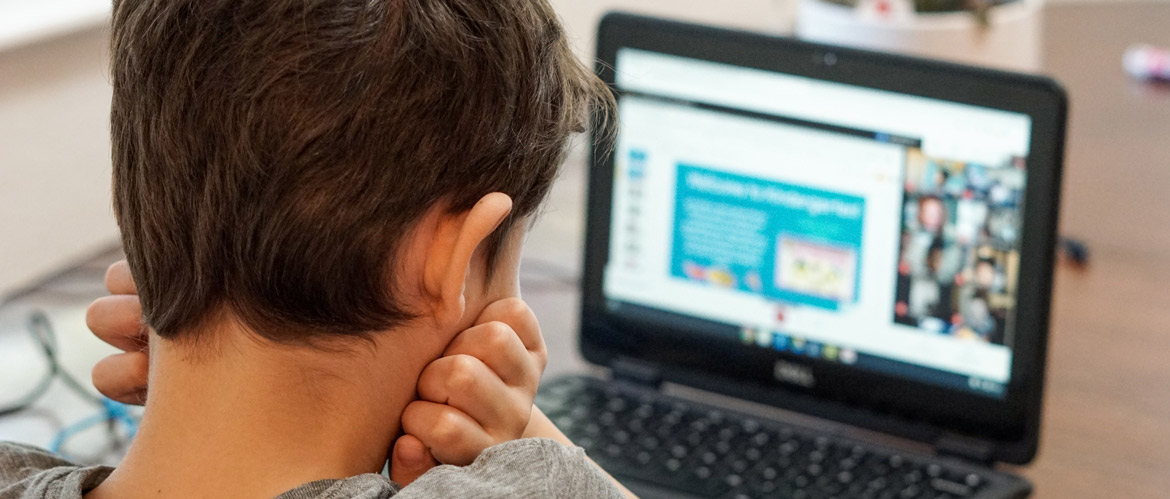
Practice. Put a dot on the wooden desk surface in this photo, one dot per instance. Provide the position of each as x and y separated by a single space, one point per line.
1107 413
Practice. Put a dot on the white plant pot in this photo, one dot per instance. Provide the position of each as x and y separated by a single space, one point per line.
1012 41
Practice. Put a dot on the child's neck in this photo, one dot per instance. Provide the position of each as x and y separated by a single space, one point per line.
252 419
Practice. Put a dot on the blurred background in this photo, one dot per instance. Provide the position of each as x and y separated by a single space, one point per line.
1107 429
54 102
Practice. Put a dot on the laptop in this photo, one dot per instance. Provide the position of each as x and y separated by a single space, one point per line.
863 241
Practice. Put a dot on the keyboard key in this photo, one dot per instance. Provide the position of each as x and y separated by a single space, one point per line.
911 492
722 447
616 404
637 426
769 473
709 458
728 432
621 436
814 469
760 439
934 470
733 480
816 456
949 487
972 480
788 447
644 411
643 458
648 442
702 472
613 450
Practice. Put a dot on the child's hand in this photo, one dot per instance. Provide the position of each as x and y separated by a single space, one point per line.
117 320
480 392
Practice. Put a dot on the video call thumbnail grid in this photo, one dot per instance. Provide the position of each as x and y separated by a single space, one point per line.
959 247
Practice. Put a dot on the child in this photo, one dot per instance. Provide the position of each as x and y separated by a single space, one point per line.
322 204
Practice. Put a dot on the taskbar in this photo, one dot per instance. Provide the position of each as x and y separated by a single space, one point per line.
799 346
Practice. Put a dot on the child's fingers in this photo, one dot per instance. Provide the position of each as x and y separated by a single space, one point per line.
117 320
467 384
119 280
499 347
452 436
409 460
515 313
122 377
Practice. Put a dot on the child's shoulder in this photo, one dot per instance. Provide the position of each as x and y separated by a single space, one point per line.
27 472
520 468
530 467
525 468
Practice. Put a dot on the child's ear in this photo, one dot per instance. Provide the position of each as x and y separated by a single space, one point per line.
450 254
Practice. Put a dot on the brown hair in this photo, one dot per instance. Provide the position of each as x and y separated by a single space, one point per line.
270 155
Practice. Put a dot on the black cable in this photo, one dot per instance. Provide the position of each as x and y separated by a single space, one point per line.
39 322
49 348
42 332
1075 249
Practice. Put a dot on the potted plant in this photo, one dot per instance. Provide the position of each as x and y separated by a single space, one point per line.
998 33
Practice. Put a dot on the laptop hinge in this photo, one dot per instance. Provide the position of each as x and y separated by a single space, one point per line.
636 372
965 448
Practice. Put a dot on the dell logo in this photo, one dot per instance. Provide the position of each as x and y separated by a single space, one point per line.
794 373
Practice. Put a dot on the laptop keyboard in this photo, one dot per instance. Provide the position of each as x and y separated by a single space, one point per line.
711 453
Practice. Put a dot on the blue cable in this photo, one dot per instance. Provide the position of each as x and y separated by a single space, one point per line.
111 412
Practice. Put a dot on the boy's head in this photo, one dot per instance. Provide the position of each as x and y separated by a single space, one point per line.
273 157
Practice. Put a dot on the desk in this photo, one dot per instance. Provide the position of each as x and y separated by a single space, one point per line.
1107 412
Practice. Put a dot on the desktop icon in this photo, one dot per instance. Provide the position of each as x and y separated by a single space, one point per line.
814 349
849 356
637 168
780 342
798 345
747 335
764 338
830 352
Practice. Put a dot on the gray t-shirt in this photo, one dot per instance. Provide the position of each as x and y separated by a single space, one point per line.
527 468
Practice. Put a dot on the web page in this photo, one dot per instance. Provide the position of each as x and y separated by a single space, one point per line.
865 233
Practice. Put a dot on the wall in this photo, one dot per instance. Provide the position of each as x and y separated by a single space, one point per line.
581 16
54 155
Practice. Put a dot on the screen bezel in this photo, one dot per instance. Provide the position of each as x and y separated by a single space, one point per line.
1010 426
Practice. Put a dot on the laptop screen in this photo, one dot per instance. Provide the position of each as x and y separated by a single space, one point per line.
861 227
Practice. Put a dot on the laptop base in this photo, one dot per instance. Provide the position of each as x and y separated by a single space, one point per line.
666 446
